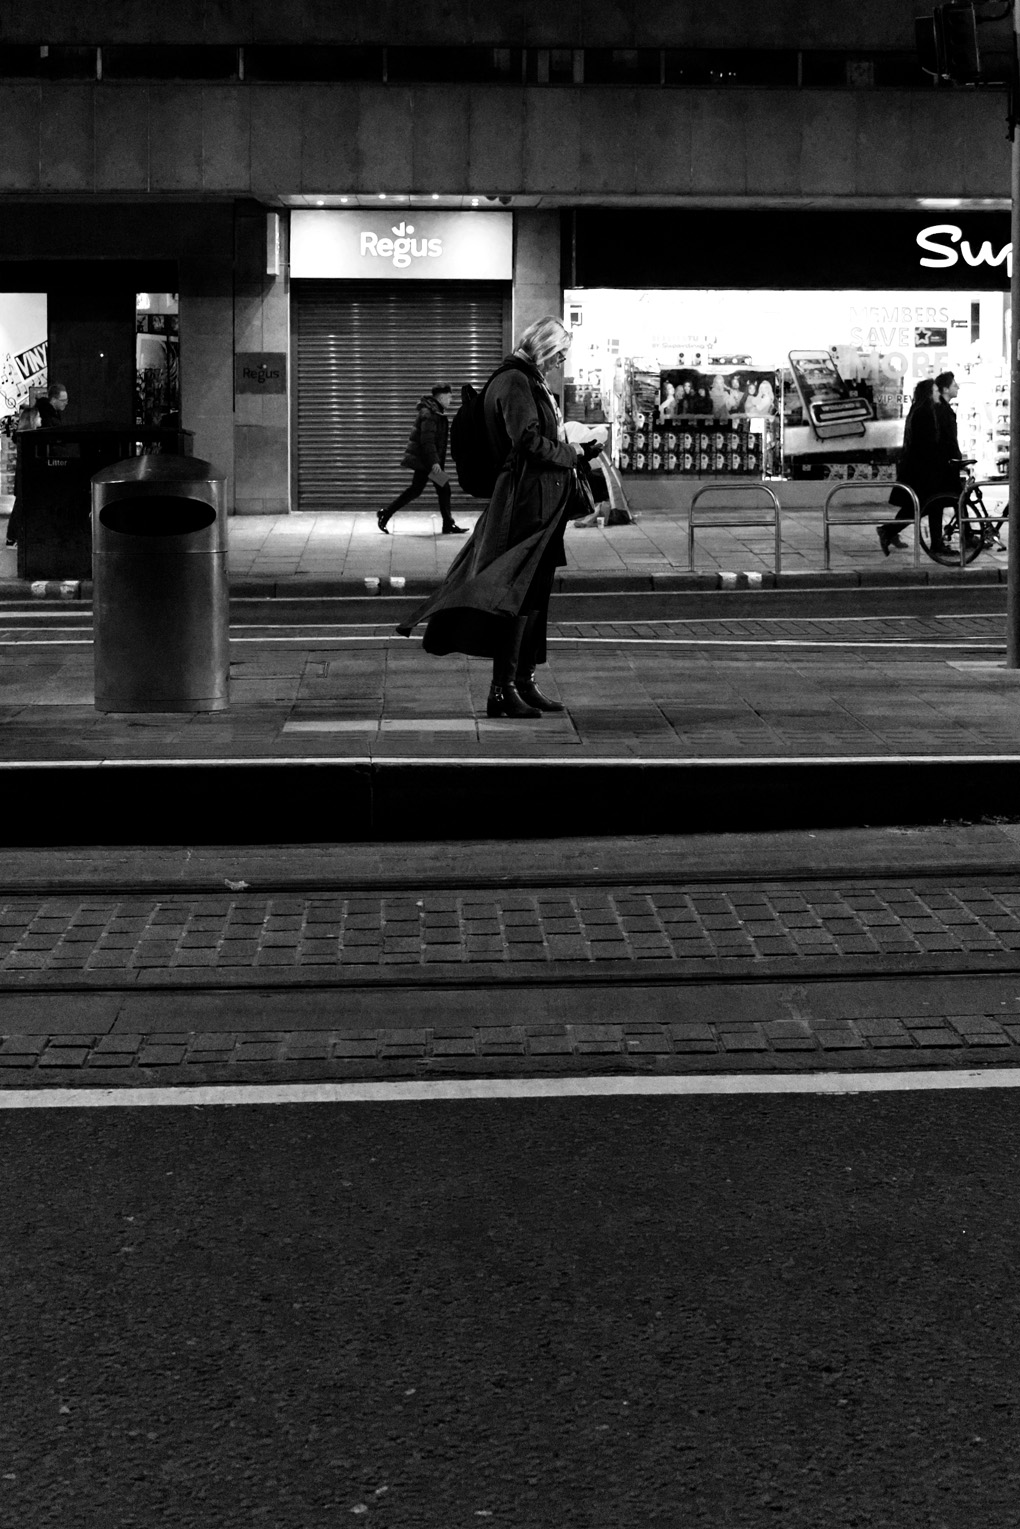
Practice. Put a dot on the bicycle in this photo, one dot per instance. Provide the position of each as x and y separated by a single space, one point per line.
980 526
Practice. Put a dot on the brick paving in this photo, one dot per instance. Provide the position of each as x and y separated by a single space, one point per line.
973 1039
329 936
200 987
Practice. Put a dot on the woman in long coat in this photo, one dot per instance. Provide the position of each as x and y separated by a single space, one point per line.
926 465
494 600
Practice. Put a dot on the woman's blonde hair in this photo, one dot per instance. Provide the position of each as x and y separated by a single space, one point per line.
542 339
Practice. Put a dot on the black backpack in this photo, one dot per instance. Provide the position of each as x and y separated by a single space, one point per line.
477 467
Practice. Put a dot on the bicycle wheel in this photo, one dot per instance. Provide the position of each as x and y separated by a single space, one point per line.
989 526
947 551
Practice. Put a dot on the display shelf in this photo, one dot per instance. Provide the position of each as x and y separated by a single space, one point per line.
699 446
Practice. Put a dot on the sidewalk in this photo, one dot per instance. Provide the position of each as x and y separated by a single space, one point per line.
339 733
335 553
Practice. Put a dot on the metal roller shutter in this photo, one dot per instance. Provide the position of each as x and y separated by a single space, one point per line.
366 352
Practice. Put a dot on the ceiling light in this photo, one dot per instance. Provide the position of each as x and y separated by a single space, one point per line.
382 196
435 196
474 201
345 199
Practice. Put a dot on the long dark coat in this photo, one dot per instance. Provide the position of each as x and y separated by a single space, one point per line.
926 463
519 533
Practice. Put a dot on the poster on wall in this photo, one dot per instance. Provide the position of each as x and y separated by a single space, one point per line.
835 408
721 395
842 399
23 358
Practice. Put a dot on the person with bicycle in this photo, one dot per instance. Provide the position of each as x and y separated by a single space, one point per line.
930 460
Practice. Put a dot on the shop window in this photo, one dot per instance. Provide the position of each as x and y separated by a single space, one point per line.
272 62
553 66
477 65
44 61
162 62
157 360
622 66
769 67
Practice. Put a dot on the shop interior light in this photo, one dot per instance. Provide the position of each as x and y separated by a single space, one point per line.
345 199
435 196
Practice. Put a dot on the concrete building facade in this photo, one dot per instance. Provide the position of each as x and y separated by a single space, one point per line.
169 139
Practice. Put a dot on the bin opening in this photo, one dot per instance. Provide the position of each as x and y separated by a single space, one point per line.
157 515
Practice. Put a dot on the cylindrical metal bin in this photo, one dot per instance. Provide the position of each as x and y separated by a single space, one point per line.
160 594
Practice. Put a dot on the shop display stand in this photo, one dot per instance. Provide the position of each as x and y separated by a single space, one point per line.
699 446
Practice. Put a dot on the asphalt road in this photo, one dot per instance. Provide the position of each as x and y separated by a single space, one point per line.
727 1312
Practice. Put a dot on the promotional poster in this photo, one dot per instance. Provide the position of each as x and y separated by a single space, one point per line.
721 395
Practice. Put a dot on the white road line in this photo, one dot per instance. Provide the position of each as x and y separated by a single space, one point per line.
317 644
509 1088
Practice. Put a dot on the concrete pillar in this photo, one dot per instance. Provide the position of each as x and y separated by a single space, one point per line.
207 373
537 287
261 324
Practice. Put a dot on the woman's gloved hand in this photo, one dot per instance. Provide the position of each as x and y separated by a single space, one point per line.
592 449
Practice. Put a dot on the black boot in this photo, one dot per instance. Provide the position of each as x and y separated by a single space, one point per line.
532 696
505 701
381 518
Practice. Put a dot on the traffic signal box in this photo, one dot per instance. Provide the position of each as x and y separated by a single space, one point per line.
969 43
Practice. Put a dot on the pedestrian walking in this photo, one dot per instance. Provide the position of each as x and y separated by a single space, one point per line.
930 460
495 598
425 455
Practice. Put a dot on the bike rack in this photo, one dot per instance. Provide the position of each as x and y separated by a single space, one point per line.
885 519
772 523
964 518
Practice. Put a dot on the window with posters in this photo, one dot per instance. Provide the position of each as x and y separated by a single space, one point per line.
806 378
23 368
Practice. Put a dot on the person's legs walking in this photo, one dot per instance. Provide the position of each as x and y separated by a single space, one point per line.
414 488
444 494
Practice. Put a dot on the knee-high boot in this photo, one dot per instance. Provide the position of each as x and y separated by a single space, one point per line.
525 677
504 700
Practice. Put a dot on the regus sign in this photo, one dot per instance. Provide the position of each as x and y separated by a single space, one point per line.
940 239
365 245
402 249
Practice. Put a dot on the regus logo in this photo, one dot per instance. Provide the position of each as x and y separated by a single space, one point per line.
403 249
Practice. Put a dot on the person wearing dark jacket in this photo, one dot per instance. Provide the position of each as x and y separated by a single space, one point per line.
494 600
43 414
929 462
425 455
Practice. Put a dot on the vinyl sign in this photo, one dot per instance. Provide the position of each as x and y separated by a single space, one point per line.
405 245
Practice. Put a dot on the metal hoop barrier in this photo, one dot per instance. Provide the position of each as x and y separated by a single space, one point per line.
829 520
772 523
975 520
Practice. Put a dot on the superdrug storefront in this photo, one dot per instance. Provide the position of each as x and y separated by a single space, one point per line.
785 343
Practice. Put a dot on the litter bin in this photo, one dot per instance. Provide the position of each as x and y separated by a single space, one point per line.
160 595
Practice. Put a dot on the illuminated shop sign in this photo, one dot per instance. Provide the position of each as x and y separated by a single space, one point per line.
773 250
945 245
409 246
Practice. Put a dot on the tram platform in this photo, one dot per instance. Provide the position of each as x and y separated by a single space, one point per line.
878 708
